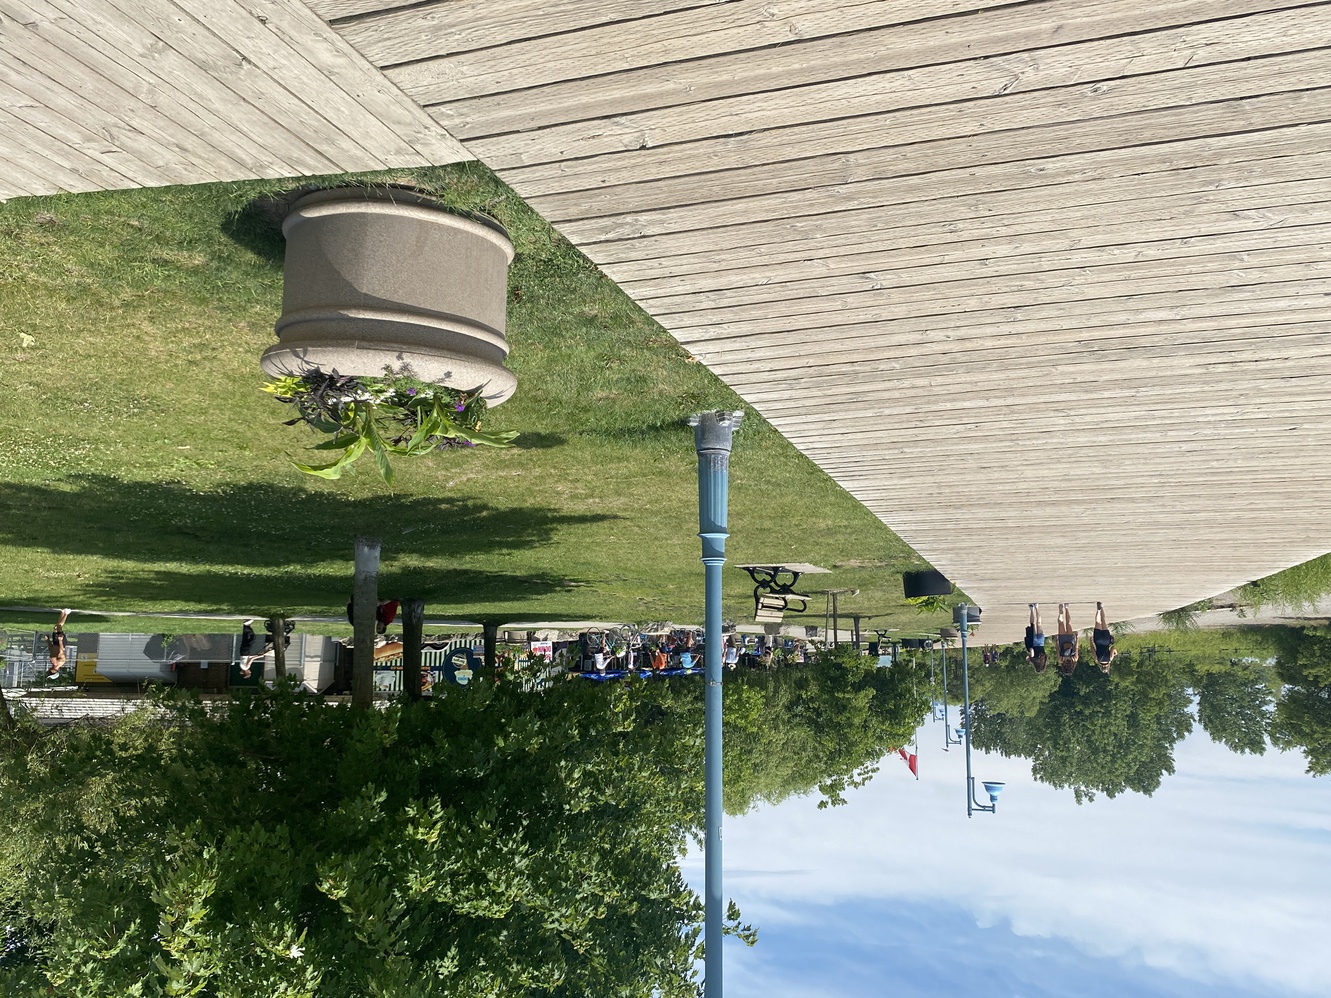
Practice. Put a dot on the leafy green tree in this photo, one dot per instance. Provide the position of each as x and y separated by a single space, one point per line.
494 840
1234 707
822 726
1097 733
1302 716
491 842
1012 687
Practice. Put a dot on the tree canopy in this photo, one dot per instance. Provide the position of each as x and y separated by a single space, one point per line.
1097 733
493 840
823 727
1302 716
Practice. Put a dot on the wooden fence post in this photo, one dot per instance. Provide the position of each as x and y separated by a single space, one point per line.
364 603
413 628
278 625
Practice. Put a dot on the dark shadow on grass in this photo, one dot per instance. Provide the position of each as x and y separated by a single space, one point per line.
261 526
539 441
258 225
227 590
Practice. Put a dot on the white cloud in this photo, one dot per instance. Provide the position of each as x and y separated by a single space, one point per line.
1222 875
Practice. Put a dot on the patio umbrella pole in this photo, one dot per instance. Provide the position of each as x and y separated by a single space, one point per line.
712 432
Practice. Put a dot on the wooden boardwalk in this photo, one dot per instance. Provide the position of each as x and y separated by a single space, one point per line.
1045 283
104 94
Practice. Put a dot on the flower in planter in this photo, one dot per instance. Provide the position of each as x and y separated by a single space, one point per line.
394 415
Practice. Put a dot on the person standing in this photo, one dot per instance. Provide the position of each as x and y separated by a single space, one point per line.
1069 642
252 647
1105 653
58 646
1035 653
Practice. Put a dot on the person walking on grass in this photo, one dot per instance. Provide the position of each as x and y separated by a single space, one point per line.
1105 653
58 646
1069 641
1035 653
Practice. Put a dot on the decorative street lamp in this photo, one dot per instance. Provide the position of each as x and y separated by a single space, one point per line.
962 615
948 740
712 432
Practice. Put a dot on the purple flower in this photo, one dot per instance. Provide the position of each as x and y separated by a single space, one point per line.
460 406
411 391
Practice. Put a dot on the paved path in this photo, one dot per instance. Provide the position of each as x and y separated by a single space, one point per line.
1044 283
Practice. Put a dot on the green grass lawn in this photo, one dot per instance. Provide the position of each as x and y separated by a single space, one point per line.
142 469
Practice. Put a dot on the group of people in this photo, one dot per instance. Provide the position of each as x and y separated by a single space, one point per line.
1068 641
682 650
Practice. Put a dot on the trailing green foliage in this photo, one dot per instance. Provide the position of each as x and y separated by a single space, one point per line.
393 415
930 604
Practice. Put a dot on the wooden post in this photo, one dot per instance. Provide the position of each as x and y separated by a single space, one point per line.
364 601
491 633
413 627
6 718
278 625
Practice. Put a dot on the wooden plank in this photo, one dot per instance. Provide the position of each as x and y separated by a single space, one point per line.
1200 305
945 299
584 188
816 213
101 54
241 85
994 119
838 378
89 111
1003 31
1019 254
1080 65
332 10
906 391
129 54
970 236
17 178
62 165
921 230
913 404
737 26
1129 262
1034 271
449 27
1048 141
302 90
410 137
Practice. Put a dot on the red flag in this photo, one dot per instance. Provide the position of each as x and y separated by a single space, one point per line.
913 761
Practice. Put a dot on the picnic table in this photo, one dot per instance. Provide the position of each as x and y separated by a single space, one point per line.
774 589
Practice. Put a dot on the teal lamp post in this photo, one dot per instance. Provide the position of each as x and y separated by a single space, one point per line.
963 616
948 740
712 433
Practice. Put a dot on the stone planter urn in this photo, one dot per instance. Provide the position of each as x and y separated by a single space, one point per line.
380 277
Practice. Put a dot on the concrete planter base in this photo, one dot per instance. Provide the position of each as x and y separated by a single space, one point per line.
379 277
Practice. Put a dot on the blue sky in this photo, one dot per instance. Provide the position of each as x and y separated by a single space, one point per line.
1215 886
